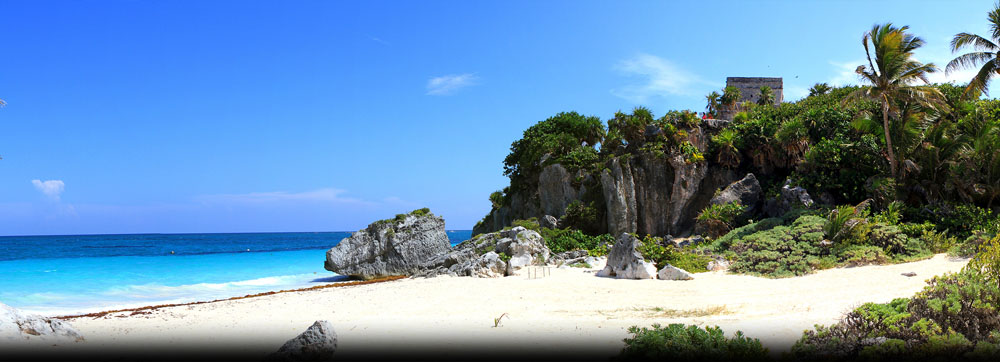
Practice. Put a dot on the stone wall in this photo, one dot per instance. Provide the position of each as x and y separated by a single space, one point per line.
750 87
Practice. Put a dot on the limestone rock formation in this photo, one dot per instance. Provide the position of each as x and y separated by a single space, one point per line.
317 343
18 326
555 191
549 221
687 179
619 194
625 261
670 272
480 256
747 191
390 247
791 197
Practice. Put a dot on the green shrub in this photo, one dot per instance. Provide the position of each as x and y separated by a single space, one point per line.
938 241
857 255
837 226
955 315
690 343
987 260
582 217
888 237
915 230
724 242
782 251
561 240
653 250
971 244
726 213
530 224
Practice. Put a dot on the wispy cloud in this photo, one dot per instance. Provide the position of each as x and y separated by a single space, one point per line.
844 73
377 39
327 195
659 78
52 189
449 84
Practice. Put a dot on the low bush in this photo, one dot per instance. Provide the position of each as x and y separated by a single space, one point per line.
724 242
583 217
560 240
654 250
782 251
955 316
857 255
938 241
530 224
678 342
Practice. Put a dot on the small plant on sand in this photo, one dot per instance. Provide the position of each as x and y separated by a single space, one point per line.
497 320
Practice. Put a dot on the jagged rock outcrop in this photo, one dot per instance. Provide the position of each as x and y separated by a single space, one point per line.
746 191
619 195
655 191
19 326
791 197
654 180
625 261
687 179
670 272
549 221
555 190
481 255
317 343
390 247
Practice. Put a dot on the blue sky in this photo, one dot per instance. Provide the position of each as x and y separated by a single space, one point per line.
228 116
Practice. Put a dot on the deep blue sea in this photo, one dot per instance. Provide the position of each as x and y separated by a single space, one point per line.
57 275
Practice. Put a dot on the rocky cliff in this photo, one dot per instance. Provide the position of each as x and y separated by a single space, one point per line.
645 191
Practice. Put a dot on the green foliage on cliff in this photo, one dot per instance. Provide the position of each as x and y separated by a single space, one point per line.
653 249
568 138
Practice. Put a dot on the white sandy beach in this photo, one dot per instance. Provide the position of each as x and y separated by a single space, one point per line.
571 308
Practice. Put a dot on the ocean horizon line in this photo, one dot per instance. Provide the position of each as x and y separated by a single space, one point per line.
205 233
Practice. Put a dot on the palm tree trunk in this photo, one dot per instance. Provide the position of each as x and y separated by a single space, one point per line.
888 139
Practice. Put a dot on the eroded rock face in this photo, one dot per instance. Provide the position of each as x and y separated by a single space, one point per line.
687 178
389 247
746 191
555 190
481 255
19 326
317 343
654 180
670 272
791 197
619 195
625 261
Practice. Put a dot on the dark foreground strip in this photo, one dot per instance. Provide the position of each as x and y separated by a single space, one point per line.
154 307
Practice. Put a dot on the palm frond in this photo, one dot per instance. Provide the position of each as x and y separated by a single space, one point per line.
979 83
969 60
962 40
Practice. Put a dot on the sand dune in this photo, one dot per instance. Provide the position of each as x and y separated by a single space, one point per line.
570 308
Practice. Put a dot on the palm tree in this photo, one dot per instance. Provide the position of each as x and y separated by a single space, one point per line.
766 96
984 56
730 97
819 89
713 103
891 72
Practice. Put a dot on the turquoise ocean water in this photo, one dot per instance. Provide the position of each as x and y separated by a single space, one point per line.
58 275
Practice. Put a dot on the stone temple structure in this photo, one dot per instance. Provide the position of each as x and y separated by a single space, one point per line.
750 87
750 91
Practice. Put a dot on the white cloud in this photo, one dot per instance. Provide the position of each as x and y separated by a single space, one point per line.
845 73
449 84
660 78
329 195
50 188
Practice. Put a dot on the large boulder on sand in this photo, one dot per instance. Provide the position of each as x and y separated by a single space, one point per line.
390 247
625 261
670 272
481 255
17 326
317 343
